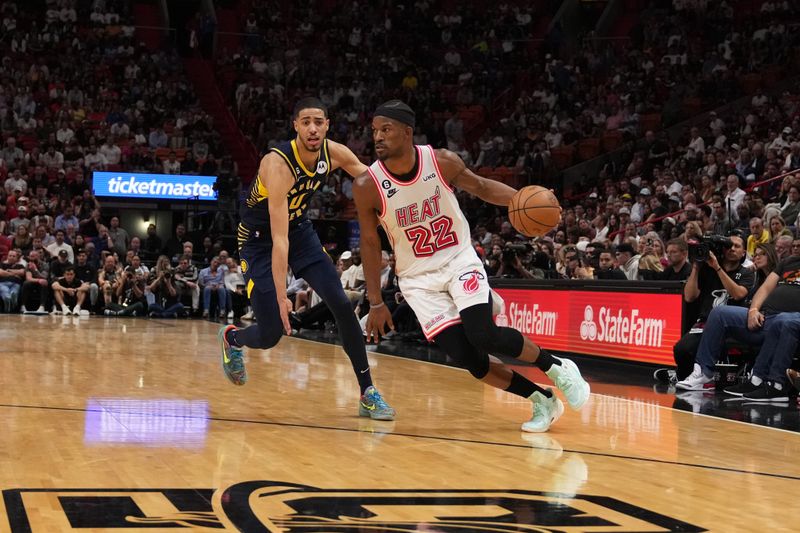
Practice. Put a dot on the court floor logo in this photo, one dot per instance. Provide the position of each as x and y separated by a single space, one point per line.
272 506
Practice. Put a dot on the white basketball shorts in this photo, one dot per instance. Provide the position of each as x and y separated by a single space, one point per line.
437 297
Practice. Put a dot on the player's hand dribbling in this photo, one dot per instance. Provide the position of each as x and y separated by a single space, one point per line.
377 320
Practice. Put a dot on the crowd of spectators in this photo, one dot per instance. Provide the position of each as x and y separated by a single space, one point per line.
78 94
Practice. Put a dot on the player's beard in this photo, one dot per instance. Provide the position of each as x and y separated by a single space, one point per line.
310 148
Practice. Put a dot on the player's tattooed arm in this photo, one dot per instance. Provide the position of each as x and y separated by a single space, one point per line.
456 173
342 157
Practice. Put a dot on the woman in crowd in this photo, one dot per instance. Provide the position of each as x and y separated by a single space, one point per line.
777 228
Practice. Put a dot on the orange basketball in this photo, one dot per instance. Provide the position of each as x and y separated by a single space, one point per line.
534 211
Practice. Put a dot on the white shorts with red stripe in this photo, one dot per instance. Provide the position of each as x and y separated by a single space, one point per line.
437 297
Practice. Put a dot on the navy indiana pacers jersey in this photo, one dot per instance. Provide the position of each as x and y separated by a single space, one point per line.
254 209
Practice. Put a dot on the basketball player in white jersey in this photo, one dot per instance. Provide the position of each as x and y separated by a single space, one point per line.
409 191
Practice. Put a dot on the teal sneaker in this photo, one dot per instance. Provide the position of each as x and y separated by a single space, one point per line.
374 406
568 379
232 359
545 412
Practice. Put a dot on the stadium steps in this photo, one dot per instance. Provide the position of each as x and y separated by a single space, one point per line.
201 74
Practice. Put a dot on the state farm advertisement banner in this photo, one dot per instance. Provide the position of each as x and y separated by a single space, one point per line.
622 325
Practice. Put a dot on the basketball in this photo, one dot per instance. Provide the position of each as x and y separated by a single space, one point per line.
534 211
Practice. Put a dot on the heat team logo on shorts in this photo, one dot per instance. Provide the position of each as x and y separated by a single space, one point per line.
244 266
472 281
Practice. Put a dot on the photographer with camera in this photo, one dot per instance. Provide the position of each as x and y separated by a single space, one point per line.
511 263
710 284
162 286
772 321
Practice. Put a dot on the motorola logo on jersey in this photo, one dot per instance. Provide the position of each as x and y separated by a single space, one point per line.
267 506
322 167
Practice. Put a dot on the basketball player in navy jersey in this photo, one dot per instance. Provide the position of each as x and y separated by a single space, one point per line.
275 233
409 191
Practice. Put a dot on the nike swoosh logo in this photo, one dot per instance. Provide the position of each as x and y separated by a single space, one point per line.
368 407
225 357
364 371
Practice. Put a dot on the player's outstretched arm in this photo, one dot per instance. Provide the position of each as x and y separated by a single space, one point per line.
368 203
278 180
342 157
456 173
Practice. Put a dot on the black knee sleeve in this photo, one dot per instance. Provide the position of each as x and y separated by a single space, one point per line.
454 341
486 336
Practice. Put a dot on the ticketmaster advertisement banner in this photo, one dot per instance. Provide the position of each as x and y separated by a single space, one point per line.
153 186
621 325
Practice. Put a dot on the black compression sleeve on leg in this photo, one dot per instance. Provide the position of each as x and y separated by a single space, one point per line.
485 335
522 386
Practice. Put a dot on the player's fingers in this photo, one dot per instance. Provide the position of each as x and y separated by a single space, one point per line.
390 322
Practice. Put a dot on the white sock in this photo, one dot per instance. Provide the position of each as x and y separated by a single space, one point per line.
757 381
65 309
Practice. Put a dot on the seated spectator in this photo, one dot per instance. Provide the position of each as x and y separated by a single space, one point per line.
12 274
678 268
87 274
20 220
628 261
131 300
111 281
772 321
710 284
212 280
758 235
606 268
36 276
22 240
70 292
186 281
166 303
777 228
235 287
58 245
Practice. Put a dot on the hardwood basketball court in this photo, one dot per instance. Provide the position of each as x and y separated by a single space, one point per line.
112 424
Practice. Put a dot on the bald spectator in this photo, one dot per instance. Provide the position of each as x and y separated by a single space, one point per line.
783 246
758 235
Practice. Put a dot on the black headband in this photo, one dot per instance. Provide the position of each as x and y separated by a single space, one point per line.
396 110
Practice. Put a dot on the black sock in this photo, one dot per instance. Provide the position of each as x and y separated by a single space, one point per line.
546 360
230 336
522 386
364 379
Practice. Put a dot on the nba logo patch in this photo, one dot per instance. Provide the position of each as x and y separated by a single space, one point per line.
472 281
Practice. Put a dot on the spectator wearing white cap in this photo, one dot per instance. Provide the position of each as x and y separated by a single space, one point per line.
352 278
782 140
20 220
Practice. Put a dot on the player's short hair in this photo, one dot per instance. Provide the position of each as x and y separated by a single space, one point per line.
309 102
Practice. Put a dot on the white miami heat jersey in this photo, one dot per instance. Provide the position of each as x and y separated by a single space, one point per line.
421 217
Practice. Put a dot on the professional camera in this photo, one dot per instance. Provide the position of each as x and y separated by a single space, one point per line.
514 250
168 274
699 249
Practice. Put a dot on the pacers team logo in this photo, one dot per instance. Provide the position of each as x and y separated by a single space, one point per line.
472 281
267 506
588 327
244 266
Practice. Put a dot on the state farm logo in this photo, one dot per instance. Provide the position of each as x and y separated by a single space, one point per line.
532 321
621 327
